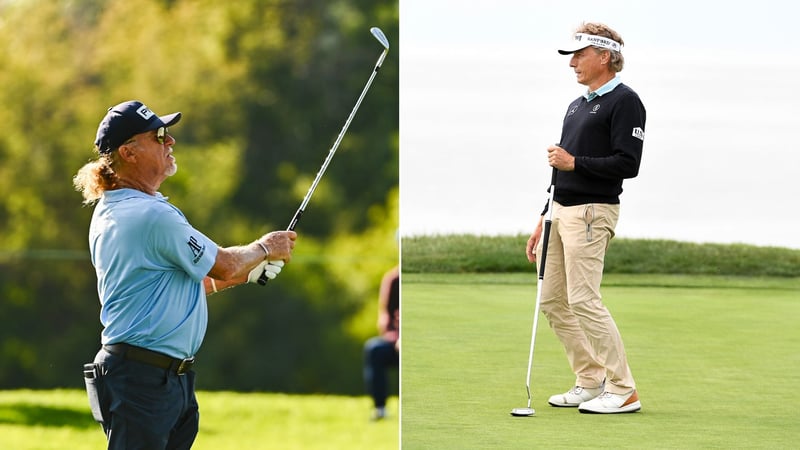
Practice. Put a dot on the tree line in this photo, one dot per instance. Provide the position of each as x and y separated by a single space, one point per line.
264 87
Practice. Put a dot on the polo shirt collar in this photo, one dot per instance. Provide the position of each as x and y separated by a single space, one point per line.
604 89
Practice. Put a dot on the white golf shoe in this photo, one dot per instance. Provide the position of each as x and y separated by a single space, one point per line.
608 403
378 413
575 396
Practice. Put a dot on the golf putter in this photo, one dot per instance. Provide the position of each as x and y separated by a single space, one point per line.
528 410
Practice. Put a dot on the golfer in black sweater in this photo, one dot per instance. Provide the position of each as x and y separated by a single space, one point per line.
601 144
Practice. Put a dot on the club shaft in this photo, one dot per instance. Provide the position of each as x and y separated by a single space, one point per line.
335 146
262 280
548 222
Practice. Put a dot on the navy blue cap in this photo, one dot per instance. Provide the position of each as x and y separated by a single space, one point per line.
126 120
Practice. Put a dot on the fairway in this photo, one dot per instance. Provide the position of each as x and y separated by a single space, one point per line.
715 360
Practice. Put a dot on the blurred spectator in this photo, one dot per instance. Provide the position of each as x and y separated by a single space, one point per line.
383 351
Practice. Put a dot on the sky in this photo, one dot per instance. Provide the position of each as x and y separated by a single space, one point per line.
483 92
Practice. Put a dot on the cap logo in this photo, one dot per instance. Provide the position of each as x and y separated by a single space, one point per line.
144 112
599 41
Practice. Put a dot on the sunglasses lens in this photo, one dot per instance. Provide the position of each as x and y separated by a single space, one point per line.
161 135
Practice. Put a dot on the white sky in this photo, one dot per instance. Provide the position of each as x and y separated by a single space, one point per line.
483 92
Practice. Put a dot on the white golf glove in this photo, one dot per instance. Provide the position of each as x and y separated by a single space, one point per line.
271 268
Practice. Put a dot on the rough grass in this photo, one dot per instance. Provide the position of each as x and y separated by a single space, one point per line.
60 419
497 254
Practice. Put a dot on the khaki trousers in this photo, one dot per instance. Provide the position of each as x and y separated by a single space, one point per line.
571 300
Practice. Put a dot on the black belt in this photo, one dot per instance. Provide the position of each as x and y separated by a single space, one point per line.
151 358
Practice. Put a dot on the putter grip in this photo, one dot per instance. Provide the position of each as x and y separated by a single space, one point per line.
547 224
545 241
555 171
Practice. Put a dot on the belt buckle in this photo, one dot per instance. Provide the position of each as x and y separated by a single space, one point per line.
185 366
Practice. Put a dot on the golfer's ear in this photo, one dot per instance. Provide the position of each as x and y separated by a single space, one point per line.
126 152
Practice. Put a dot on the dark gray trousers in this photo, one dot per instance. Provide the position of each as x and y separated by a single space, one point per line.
140 406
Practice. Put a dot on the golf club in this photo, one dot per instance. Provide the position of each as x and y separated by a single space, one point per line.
378 34
528 411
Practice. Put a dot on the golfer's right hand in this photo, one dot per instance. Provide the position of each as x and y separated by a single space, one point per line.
279 244
533 242
530 249
270 268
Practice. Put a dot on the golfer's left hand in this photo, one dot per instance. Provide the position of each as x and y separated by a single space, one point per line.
279 244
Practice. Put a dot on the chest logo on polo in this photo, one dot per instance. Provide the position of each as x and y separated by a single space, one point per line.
196 248
638 133
594 110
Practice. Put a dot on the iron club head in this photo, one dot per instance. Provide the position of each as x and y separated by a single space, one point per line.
380 37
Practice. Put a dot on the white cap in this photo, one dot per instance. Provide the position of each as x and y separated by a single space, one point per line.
583 40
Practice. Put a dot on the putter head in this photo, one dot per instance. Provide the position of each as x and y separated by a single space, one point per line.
380 37
522 412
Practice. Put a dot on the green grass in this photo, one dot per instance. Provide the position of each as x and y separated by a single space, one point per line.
715 359
60 419
714 353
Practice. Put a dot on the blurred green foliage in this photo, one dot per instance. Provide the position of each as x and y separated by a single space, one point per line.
265 87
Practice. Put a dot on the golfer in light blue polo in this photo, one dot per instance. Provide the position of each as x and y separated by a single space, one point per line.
154 271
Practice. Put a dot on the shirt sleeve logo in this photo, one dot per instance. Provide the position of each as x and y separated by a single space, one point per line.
638 133
197 249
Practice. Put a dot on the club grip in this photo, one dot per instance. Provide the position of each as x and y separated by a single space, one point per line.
545 242
262 280
555 171
547 224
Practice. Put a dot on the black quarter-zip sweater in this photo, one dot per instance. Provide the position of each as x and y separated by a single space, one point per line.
606 137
